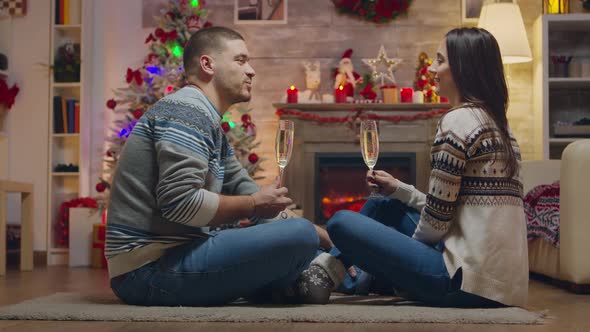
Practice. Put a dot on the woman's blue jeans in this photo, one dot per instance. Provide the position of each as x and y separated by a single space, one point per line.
379 241
244 262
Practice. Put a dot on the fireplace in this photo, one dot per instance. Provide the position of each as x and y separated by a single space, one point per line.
326 168
340 179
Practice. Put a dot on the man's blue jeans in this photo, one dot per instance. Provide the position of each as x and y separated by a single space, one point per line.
233 263
379 241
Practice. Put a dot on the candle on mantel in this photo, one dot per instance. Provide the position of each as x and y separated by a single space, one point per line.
340 95
406 95
292 94
418 97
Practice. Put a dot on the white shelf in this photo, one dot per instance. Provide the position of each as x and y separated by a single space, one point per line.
67 26
67 85
65 174
66 135
568 22
58 250
569 82
564 140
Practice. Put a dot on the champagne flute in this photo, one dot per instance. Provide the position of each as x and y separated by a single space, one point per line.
284 146
370 147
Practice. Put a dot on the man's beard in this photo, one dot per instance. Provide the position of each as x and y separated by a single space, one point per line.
232 94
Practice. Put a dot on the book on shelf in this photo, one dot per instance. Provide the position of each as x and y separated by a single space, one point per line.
67 12
66 115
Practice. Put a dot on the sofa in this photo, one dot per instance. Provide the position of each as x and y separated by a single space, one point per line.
568 265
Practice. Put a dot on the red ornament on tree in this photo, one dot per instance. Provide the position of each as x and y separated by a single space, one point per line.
225 126
246 118
138 113
101 187
253 158
111 103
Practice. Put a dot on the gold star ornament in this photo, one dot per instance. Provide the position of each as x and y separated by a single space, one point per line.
383 66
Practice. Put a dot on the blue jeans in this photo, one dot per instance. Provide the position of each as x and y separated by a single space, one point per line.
379 241
233 263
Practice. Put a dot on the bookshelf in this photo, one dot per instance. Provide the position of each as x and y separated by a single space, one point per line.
562 91
66 112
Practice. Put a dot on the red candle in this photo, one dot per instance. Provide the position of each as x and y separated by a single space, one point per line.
406 95
292 94
340 95
444 99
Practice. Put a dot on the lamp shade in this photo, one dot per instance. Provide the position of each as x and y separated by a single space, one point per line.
504 21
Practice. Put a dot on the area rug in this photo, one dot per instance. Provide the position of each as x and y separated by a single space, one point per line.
342 309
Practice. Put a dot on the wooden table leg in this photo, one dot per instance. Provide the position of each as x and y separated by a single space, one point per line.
26 238
2 233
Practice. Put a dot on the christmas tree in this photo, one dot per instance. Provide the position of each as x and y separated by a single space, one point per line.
424 80
161 74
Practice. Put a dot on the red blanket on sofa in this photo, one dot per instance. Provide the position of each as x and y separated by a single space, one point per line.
541 206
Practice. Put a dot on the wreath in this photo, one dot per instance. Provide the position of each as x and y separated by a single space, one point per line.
378 11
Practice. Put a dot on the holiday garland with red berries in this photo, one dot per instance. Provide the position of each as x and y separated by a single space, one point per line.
161 74
378 11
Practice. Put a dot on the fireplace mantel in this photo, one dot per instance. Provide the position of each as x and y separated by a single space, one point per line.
313 138
404 108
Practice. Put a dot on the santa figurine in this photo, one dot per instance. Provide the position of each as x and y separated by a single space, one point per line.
346 76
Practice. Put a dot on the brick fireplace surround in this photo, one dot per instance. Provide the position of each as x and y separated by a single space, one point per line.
313 138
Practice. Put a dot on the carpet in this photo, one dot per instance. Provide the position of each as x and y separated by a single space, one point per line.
342 309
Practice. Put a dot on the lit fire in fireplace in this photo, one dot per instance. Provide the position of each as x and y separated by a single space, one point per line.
335 203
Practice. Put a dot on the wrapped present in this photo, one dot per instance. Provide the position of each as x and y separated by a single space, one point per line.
98 245
390 94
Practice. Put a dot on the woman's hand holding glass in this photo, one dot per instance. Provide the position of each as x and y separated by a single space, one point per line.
383 182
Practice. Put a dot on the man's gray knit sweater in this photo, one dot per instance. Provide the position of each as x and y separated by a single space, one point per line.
165 190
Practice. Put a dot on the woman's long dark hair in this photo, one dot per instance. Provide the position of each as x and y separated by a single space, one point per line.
476 65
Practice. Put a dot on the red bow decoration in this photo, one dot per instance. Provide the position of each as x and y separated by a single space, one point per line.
7 95
165 36
150 38
134 75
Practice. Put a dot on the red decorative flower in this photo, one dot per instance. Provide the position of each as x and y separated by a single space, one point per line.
101 187
225 126
159 32
138 113
109 153
111 103
152 59
246 118
193 22
170 15
207 24
253 158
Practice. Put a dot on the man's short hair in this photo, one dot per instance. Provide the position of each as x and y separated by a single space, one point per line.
205 41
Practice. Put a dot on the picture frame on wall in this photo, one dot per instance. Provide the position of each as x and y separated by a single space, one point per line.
470 10
260 11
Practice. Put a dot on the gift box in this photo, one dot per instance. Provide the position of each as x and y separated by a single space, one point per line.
390 94
98 259
80 239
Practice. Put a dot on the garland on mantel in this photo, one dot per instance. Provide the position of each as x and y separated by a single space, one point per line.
359 114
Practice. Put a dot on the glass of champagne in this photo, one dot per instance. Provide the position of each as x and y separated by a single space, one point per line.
370 147
284 146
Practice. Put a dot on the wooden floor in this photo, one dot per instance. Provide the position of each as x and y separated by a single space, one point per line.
571 312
